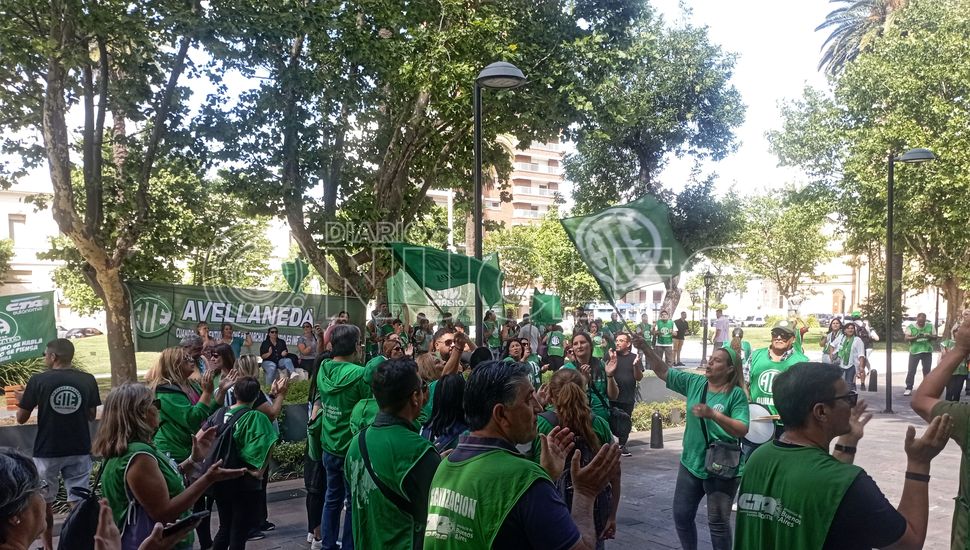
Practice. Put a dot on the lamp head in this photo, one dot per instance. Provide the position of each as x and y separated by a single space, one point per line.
708 279
916 155
500 76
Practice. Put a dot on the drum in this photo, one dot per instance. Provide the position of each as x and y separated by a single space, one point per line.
761 425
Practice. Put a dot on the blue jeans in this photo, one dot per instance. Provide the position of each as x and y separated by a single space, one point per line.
270 368
338 494
688 494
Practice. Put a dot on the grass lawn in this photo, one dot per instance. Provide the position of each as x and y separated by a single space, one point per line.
759 337
92 352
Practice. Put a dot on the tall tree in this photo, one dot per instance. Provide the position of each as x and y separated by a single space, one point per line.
852 29
784 240
362 108
519 256
906 91
62 57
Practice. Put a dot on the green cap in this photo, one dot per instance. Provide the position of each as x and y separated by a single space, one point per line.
784 325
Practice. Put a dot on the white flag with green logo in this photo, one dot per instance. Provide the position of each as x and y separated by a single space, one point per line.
627 247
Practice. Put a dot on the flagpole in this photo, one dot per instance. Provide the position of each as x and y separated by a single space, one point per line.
430 299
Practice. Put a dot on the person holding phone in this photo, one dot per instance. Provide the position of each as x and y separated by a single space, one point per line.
163 490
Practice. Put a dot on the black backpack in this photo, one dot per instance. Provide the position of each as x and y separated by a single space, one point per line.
78 530
224 448
603 501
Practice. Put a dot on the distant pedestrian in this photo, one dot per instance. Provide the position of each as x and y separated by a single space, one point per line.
722 329
683 327
493 335
852 358
599 343
555 347
66 400
920 336
832 342
664 332
530 331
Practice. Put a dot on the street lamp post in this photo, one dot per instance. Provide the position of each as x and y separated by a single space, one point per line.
708 281
911 156
497 76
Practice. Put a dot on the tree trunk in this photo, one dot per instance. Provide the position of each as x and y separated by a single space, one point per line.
672 296
117 313
955 299
897 289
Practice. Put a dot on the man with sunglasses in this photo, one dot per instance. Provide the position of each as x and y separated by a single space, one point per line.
794 494
765 365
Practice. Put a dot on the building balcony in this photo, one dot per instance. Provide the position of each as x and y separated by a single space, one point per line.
520 190
530 214
538 168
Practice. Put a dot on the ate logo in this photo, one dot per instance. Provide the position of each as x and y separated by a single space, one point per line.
65 400
766 379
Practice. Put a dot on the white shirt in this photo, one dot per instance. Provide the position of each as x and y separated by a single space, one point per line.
722 325
531 332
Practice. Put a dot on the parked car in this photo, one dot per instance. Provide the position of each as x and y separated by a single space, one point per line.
83 332
61 332
753 321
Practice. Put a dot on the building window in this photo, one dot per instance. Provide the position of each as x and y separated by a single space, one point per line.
15 276
15 226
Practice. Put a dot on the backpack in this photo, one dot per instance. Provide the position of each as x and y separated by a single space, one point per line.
564 485
863 333
224 448
78 530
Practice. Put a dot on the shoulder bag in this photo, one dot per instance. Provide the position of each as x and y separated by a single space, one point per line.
723 458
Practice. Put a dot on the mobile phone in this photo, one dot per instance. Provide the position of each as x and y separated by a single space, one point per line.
193 519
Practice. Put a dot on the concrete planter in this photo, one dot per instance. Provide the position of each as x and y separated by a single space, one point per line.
293 422
22 437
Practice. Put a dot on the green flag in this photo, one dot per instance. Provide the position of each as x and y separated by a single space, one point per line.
546 309
407 298
294 272
627 247
436 269
26 325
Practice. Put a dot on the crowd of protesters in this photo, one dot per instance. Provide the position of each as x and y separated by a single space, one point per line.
424 440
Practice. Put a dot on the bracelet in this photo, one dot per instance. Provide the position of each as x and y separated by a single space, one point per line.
925 478
845 449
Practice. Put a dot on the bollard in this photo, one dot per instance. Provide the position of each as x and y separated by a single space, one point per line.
656 431
872 380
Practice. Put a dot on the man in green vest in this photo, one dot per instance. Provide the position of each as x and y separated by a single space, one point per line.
613 328
795 495
920 336
927 403
664 331
487 495
389 484
341 384
555 342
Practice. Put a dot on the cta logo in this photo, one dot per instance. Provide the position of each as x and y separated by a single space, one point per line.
34 303
153 316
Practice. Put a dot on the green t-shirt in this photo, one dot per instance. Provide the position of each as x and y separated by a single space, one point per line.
665 333
598 343
113 482
494 335
921 344
554 344
426 410
179 419
599 405
470 499
733 403
788 497
961 369
763 373
644 329
393 450
615 327
600 427
254 436
959 432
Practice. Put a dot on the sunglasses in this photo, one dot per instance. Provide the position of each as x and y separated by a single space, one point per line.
273 331
851 398
781 335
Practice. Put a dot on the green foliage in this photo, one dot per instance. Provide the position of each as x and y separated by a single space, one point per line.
288 456
854 26
771 320
16 373
812 322
298 393
559 266
783 239
693 327
643 412
6 254
519 256
874 311
726 281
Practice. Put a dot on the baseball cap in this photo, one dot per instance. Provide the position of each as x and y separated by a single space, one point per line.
784 326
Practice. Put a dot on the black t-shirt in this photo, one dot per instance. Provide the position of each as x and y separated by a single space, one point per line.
682 327
864 519
624 377
63 398
278 350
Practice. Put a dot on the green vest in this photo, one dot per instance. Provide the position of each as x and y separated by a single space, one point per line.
554 344
378 523
495 336
763 373
665 333
644 329
469 500
921 344
788 497
113 482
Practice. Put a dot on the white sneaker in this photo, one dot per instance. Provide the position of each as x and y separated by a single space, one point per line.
908 392
316 545
309 537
